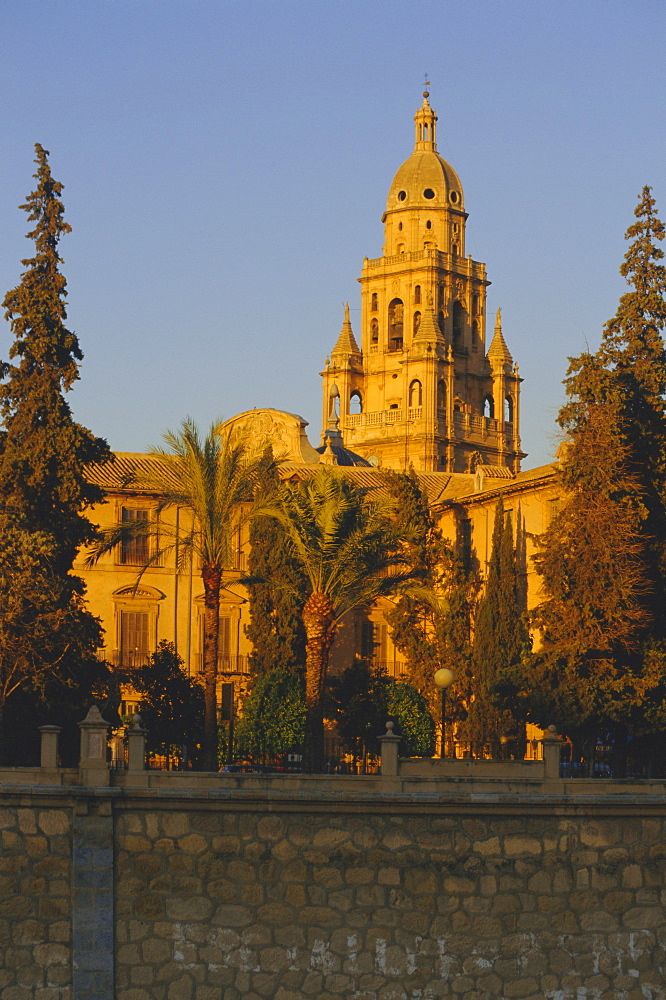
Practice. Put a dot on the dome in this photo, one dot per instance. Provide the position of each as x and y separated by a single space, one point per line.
425 180
344 456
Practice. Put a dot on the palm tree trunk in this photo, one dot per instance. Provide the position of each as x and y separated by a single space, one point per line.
211 577
319 624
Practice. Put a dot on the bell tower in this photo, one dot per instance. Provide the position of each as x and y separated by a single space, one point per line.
425 392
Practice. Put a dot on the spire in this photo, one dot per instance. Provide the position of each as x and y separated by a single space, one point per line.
498 351
346 342
425 120
429 327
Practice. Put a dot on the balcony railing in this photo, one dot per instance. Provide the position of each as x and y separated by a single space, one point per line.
228 664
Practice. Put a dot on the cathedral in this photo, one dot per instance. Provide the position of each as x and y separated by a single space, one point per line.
414 388
422 391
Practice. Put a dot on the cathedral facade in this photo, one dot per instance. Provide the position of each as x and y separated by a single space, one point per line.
421 392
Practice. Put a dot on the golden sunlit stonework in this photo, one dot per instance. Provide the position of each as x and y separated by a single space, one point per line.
421 391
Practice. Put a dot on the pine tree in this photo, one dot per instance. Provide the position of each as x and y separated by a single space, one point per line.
43 454
500 638
601 665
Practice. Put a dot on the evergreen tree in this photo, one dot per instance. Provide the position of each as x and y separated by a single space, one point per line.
273 720
431 635
500 638
171 706
601 666
277 587
45 630
364 700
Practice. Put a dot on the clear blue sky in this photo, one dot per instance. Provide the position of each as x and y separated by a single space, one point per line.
226 166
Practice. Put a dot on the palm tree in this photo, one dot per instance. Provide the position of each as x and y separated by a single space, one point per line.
349 548
212 478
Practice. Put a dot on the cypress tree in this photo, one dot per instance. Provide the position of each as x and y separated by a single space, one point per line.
45 629
278 589
431 635
501 638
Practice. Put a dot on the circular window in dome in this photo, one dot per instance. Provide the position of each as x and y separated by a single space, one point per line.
402 195
454 197
428 193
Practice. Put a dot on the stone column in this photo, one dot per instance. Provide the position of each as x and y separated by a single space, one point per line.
389 752
551 754
136 745
49 747
93 766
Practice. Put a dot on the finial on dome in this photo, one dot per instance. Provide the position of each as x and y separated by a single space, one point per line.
498 320
426 92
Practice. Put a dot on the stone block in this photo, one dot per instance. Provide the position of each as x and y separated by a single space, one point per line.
53 821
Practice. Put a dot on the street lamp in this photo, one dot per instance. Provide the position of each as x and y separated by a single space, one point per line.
443 680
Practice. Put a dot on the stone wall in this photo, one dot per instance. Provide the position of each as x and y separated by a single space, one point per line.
280 889
35 901
378 906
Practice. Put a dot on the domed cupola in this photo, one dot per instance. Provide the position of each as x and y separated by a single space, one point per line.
425 205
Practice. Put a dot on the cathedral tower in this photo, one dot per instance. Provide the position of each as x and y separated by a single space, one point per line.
421 389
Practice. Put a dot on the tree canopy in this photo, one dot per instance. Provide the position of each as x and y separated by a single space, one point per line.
347 545
45 629
602 662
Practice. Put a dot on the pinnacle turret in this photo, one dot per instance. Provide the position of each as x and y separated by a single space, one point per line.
498 351
346 342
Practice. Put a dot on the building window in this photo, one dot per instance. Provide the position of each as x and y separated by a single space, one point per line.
488 407
458 324
134 551
225 660
374 331
134 632
355 402
508 410
465 543
415 393
441 395
395 323
417 322
374 302
417 295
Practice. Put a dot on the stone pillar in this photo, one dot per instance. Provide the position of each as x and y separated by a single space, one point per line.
49 747
92 899
551 753
136 745
93 766
389 752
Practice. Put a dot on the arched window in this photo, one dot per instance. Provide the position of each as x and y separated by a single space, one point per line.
475 335
441 394
475 304
488 407
374 302
415 393
355 402
395 323
417 295
417 323
458 324
508 410
374 331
